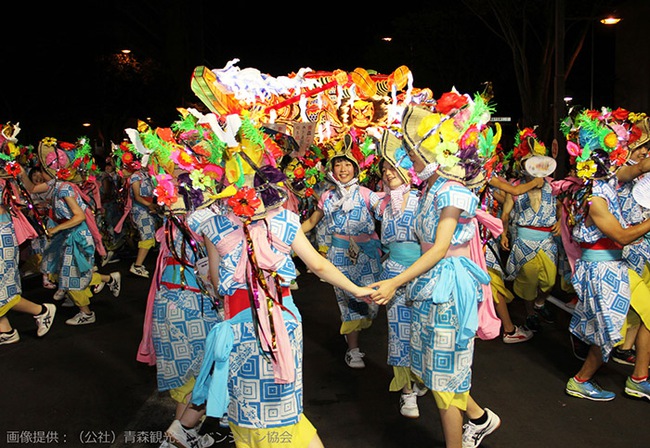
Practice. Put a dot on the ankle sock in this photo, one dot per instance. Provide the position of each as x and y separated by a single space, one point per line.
187 428
580 380
7 332
479 421
510 333
43 310
639 380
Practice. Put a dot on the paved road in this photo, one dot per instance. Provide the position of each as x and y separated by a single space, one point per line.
84 383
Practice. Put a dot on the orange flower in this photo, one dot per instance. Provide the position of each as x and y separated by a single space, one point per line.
245 202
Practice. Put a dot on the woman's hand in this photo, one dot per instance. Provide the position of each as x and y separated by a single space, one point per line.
505 243
364 293
383 291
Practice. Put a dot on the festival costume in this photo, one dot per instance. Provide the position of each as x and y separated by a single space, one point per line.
183 314
399 241
70 254
526 265
445 299
10 285
260 395
600 279
348 216
140 215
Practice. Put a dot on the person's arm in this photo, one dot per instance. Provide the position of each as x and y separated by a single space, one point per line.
29 185
213 262
607 223
627 173
311 222
385 289
323 268
505 219
515 190
78 216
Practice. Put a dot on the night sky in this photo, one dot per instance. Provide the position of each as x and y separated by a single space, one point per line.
59 68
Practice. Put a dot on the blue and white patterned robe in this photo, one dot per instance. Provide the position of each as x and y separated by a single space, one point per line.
182 318
10 285
394 231
70 254
141 217
603 287
359 221
445 299
637 254
523 250
256 400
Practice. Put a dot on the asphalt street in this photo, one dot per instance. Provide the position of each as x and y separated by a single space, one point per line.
82 386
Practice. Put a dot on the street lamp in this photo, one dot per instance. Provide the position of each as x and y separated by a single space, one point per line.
609 21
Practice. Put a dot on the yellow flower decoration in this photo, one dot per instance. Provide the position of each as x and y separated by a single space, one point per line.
586 169
362 175
200 180
446 154
14 151
49 141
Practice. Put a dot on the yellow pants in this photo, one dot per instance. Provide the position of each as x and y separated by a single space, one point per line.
146 244
498 287
355 325
82 297
446 399
538 274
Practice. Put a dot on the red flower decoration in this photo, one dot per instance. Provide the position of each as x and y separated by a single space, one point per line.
245 202
13 169
309 192
63 174
127 158
66 146
450 101
620 114
593 114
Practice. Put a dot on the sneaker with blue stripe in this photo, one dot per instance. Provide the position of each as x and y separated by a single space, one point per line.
589 390
637 390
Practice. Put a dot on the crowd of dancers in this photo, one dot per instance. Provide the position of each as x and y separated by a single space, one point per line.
421 210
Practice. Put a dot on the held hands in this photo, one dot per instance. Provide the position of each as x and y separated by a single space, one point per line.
383 291
364 293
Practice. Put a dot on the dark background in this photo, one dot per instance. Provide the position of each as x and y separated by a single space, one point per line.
62 64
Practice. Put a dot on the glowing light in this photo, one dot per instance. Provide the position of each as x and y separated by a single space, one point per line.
610 20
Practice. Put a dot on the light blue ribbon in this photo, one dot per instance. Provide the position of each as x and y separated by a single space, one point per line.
601 255
458 277
404 252
532 234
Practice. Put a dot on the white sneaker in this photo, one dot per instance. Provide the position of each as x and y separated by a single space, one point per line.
140 271
115 284
408 405
354 358
82 318
44 320
9 338
47 283
473 434
521 334
186 438
59 294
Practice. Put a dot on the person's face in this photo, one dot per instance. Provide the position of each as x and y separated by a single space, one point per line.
38 178
390 176
343 170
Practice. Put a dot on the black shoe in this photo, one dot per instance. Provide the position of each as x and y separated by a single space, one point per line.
627 357
545 313
579 348
533 323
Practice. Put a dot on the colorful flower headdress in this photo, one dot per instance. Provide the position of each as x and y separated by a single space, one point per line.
9 150
362 151
305 172
455 136
71 162
597 141
526 145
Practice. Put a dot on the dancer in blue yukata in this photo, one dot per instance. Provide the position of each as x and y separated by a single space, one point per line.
448 148
397 215
355 250
597 143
